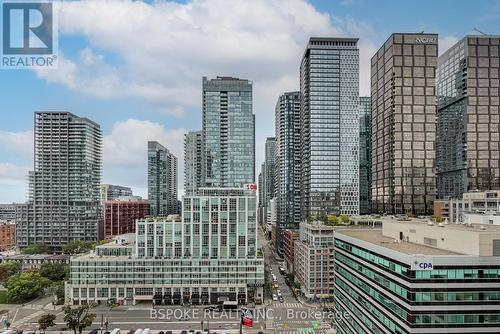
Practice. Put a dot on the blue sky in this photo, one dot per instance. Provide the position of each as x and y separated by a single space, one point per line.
136 68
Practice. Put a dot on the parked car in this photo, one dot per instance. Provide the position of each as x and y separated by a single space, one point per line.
184 332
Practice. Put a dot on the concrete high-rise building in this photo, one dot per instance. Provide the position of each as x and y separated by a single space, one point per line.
162 180
287 164
329 87
269 169
65 183
228 132
365 155
193 161
207 256
467 139
415 277
110 192
403 96
268 176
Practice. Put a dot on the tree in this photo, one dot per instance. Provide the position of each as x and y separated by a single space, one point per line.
78 247
25 286
8 269
54 271
333 220
46 321
56 289
78 318
35 249
321 216
344 219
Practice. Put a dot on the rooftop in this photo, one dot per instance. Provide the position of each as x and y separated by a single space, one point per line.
375 237
475 228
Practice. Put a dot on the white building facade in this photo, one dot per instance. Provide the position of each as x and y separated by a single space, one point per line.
207 257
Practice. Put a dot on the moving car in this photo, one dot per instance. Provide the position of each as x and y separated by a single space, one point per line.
275 298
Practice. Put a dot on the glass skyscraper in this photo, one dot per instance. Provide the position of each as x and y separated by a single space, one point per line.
64 200
365 151
162 180
467 142
287 164
403 73
329 87
193 148
228 132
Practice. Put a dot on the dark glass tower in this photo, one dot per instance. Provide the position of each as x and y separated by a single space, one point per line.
467 143
404 124
365 151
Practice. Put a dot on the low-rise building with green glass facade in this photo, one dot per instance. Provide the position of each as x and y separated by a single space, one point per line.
206 257
418 277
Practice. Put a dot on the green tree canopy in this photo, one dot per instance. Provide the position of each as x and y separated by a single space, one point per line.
56 289
25 286
54 271
46 321
78 318
8 269
333 220
344 219
35 249
78 247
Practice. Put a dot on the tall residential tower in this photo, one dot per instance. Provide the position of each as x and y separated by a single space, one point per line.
193 163
329 87
65 185
287 164
162 180
228 132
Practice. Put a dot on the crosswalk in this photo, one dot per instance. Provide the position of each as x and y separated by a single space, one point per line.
27 319
288 305
296 331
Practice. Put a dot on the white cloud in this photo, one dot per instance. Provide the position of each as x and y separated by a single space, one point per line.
125 152
164 48
17 142
11 174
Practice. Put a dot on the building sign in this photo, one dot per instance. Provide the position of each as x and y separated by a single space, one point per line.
251 186
422 263
425 40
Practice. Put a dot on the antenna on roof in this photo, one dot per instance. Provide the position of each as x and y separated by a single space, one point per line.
479 31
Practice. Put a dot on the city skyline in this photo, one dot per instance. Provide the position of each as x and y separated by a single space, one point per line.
144 115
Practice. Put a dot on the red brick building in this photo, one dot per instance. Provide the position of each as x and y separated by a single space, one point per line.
120 215
289 237
7 236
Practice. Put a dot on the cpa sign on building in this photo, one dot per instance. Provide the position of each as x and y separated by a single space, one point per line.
422 263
